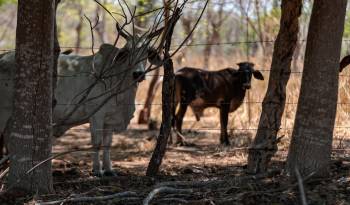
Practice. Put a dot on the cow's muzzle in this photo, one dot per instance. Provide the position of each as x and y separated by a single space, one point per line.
138 75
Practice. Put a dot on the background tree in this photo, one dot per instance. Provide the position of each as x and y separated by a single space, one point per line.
31 131
145 113
265 144
311 145
215 20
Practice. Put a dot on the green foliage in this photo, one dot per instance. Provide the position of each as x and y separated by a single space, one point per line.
3 2
347 26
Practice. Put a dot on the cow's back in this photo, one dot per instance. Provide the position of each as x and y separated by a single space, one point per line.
76 79
215 87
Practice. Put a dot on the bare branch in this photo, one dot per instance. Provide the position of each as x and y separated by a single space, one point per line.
164 190
301 187
123 195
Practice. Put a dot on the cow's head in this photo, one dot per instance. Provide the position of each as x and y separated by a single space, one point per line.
246 71
137 51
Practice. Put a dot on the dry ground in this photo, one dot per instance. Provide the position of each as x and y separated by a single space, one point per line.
205 160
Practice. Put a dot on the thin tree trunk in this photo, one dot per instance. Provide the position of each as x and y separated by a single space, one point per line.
145 113
311 145
101 27
167 100
78 30
31 131
265 145
57 51
207 48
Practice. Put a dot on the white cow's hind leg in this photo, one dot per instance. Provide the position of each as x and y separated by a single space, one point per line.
107 142
96 128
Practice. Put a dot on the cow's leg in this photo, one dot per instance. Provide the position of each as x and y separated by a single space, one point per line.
107 143
179 120
224 110
96 127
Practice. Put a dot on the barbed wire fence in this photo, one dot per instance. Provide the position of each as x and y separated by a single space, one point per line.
341 131
194 44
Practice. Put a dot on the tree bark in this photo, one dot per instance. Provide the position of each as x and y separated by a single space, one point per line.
101 26
57 51
265 145
78 29
145 113
311 145
31 130
167 99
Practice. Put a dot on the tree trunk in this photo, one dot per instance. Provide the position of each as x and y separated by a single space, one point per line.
78 29
31 131
265 145
145 113
311 145
101 26
57 51
167 99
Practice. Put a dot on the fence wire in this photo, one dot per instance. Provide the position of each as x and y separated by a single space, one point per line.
200 44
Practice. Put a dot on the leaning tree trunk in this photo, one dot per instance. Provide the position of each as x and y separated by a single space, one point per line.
167 98
265 145
311 145
57 51
31 131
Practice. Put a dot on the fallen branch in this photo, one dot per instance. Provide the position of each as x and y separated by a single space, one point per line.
177 200
4 173
124 195
164 190
301 187
227 181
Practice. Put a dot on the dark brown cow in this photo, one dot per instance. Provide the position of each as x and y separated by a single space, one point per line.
224 89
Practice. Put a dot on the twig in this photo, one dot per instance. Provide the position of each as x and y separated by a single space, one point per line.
4 173
301 187
164 190
127 194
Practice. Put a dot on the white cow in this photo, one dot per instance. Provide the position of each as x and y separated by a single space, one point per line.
108 78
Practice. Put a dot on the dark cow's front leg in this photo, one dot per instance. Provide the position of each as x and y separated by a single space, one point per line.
178 121
224 110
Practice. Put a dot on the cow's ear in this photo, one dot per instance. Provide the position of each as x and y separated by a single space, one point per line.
258 75
106 49
344 62
154 58
239 64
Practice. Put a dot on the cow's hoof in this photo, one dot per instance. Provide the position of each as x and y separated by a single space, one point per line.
110 173
97 173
